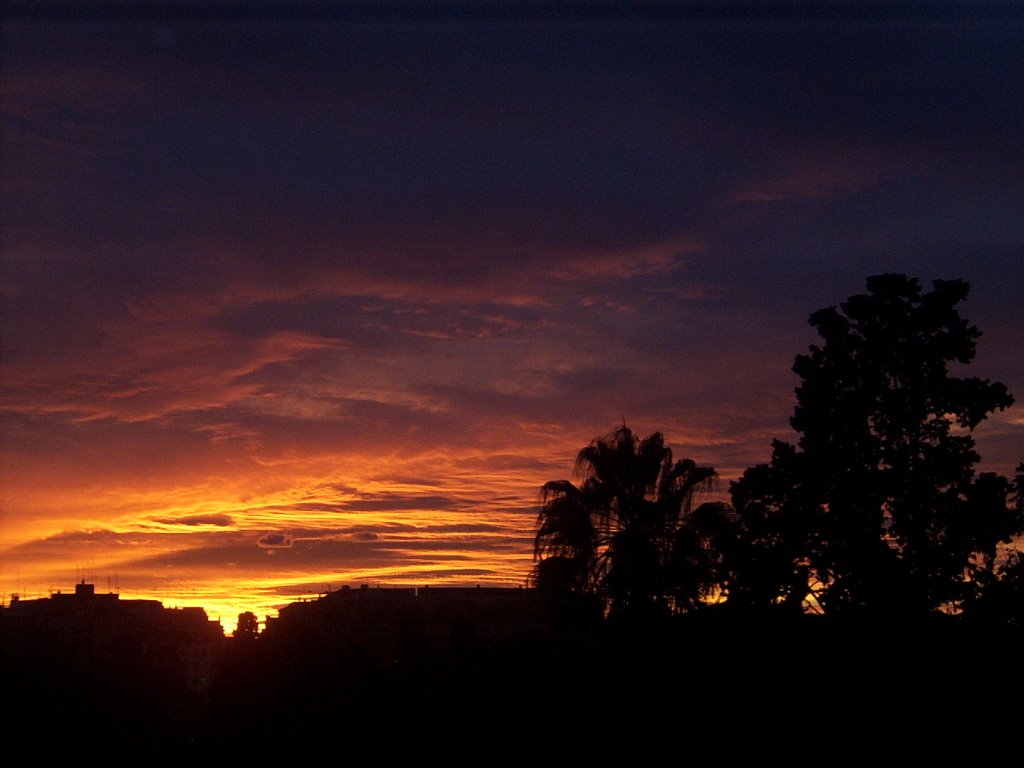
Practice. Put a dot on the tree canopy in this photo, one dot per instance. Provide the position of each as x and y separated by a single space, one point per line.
629 531
879 505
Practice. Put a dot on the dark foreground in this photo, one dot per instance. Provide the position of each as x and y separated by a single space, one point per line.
714 688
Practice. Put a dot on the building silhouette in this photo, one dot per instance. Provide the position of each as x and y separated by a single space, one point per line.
86 630
384 623
87 673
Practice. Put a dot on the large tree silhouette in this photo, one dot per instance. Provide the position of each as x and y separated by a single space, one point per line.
879 505
1001 597
628 532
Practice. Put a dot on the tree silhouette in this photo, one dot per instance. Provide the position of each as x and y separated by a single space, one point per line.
247 627
879 506
1001 598
628 532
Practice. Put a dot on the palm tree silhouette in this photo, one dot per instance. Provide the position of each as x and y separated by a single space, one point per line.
628 530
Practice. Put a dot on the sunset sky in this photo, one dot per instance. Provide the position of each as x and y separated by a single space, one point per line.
292 298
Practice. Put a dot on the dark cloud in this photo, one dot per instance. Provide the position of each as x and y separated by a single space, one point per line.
275 541
331 555
507 461
388 502
215 519
303 506
461 528
465 548
63 541
287 553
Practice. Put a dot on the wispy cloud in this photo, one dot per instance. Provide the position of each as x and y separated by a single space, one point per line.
214 520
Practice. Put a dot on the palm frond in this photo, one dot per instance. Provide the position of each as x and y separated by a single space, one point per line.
628 530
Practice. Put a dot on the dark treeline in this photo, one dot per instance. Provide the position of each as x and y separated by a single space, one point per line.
860 598
877 510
